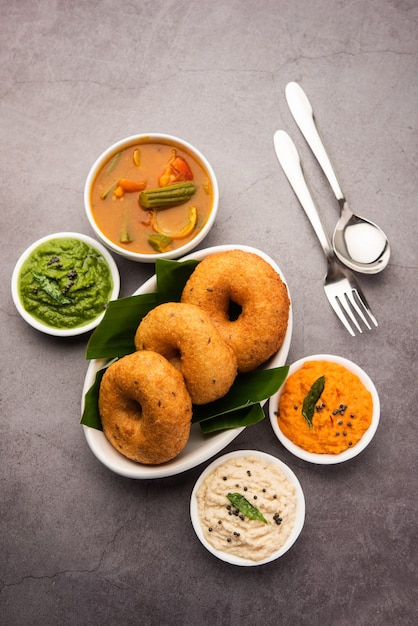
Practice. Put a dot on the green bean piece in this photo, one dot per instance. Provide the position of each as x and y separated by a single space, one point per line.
159 242
109 190
113 162
124 236
164 197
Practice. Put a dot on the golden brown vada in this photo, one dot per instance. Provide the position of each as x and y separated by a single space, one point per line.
184 334
145 408
247 280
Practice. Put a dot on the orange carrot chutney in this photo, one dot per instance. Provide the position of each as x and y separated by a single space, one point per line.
341 415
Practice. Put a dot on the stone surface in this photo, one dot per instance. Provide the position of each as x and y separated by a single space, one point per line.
81 545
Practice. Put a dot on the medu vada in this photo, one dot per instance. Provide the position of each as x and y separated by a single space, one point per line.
184 334
258 326
145 408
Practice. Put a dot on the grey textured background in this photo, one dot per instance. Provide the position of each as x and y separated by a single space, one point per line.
81 545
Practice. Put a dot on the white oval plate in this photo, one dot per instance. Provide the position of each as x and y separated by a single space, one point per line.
300 510
328 459
199 447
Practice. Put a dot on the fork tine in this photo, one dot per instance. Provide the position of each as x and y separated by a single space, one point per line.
350 297
348 302
336 305
346 297
360 295
345 306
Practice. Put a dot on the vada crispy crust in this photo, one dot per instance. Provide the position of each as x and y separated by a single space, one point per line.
248 280
145 408
184 334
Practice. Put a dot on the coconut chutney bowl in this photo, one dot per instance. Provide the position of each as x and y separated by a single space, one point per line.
62 283
247 508
151 196
327 411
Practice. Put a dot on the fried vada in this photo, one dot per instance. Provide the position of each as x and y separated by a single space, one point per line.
184 334
244 280
145 408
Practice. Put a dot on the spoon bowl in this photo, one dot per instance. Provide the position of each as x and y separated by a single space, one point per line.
357 242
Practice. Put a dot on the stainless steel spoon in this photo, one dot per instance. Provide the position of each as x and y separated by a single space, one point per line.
357 242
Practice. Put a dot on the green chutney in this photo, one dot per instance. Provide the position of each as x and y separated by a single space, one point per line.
65 283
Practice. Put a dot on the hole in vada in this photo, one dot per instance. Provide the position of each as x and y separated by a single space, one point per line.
136 409
175 359
234 311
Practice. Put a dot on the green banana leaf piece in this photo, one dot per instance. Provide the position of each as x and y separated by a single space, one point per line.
171 278
91 416
234 419
248 389
114 337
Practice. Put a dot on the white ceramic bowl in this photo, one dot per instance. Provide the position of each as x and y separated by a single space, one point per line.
50 330
200 447
328 459
300 509
151 138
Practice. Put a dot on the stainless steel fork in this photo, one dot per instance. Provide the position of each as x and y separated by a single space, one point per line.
341 286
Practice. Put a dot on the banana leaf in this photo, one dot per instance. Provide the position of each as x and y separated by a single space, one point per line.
114 337
247 390
91 415
171 278
234 419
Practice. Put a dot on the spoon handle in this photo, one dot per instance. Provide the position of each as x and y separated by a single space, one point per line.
302 111
290 161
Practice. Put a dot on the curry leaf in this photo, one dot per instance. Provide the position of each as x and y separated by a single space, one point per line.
51 288
311 399
246 508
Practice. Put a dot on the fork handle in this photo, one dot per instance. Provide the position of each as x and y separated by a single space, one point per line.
289 160
303 114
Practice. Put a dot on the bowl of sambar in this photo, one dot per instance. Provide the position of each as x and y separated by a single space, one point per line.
151 196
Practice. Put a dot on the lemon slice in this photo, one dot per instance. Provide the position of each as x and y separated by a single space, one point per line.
183 231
